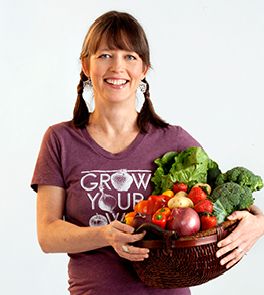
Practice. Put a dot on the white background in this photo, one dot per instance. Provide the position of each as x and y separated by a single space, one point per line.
208 61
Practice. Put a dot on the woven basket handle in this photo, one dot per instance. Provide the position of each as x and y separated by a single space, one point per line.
168 242
223 229
150 228
220 232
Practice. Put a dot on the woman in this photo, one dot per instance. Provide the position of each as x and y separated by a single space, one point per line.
95 168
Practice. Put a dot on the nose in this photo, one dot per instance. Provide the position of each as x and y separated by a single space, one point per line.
117 64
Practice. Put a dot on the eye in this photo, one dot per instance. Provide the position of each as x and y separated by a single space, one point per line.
131 57
104 56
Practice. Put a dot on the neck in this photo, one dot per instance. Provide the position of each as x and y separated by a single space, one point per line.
113 120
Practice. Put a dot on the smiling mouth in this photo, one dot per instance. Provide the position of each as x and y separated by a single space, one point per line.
117 82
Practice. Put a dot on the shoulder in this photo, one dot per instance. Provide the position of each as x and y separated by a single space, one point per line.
62 132
174 130
62 128
174 136
170 130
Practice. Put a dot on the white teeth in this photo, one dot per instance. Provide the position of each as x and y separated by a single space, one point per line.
116 82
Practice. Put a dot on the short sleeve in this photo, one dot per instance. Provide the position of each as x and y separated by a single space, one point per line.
48 169
185 139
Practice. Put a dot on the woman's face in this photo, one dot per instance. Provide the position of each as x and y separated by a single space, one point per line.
115 73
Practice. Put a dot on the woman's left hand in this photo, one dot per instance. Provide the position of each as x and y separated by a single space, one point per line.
244 236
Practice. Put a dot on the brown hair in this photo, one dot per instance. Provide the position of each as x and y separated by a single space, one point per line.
120 30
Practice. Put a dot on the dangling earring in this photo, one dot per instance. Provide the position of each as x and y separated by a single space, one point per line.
140 97
88 94
142 86
88 83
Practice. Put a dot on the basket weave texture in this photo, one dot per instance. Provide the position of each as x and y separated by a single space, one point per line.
184 262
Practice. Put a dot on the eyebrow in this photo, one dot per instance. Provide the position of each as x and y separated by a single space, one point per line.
109 49
106 49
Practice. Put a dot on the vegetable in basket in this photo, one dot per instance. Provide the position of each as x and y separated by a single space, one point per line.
151 205
234 190
160 217
241 176
184 221
180 187
197 194
229 197
204 206
208 221
189 166
197 183
180 200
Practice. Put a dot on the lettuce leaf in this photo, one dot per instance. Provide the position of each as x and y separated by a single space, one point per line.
189 166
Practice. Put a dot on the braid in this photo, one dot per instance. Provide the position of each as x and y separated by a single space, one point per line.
80 112
148 114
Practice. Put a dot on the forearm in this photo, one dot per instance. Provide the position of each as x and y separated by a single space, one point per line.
260 218
61 236
57 235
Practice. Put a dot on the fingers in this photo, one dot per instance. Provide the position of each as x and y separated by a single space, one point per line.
233 257
122 227
240 241
133 253
123 233
235 254
234 247
120 237
238 233
230 241
238 215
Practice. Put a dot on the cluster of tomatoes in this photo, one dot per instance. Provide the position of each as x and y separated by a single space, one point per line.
159 209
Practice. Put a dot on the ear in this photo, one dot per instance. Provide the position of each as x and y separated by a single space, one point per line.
145 71
85 67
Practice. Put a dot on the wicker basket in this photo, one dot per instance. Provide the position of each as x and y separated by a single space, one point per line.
184 262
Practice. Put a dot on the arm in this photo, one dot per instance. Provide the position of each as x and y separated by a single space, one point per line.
58 235
245 235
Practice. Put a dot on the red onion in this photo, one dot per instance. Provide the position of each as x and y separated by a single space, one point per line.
185 221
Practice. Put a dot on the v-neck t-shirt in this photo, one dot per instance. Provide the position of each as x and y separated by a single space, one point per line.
101 187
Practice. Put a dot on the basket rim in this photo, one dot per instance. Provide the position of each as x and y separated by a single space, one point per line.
209 236
152 244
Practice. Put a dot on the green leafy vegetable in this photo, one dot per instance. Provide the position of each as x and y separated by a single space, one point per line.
189 166
212 173
229 197
241 176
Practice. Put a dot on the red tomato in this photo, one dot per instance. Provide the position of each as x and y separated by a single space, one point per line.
204 206
197 194
208 221
180 187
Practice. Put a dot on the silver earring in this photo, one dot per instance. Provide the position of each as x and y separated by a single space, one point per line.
88 94
142 86
140 99
88 83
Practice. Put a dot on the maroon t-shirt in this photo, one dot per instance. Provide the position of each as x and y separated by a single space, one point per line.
101 187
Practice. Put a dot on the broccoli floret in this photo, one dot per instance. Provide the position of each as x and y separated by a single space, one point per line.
229 197
241 176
